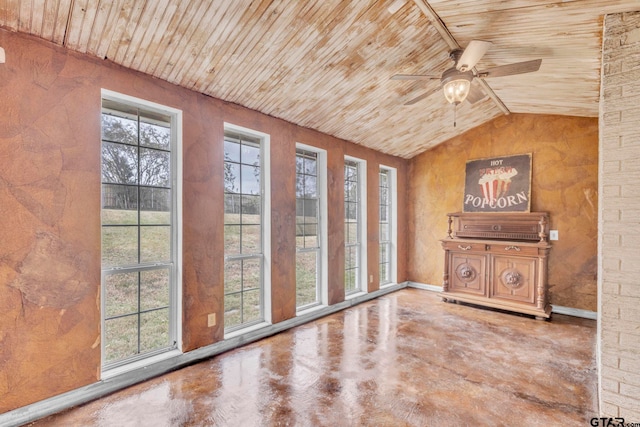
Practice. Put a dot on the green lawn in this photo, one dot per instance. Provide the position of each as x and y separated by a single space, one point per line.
128 293
306 272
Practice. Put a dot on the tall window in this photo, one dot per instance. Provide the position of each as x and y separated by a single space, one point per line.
308 239
353 226
139 236
385 226
243 231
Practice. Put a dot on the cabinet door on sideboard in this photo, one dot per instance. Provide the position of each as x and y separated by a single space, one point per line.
468 273
513 278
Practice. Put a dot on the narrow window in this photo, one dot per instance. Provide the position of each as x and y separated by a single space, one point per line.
308 229
139 231
243 231
385 226
354 226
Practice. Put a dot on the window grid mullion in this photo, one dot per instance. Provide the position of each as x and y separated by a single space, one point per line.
149 310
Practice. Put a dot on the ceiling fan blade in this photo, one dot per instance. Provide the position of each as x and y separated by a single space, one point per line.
472 54
475 94
512 69
414 77
423 96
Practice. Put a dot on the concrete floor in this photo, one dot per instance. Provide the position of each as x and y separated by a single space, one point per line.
405 359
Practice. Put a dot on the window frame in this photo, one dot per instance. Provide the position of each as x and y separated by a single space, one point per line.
265 223
322 295
361 246
174 264
392 178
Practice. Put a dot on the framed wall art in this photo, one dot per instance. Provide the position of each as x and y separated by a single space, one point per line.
498 184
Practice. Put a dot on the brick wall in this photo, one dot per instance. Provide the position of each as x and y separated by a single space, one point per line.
619 219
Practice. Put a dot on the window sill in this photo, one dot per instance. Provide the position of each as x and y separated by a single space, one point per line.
310 310
138 364
246 330
355 295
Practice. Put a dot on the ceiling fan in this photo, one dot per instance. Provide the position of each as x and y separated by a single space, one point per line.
456 81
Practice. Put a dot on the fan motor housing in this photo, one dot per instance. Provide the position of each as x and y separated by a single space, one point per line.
455 74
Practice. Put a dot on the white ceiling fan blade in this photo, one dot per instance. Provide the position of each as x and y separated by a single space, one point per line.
472 54
414 77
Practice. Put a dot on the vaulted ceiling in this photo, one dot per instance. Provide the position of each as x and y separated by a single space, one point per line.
326 64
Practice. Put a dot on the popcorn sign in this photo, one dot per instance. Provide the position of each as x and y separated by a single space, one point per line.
500 184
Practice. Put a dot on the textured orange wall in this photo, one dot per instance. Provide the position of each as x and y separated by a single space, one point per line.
50 212
49 223
564 183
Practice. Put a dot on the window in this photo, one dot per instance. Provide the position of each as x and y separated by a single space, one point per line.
354 226
387 226
140 254
244 217
309 228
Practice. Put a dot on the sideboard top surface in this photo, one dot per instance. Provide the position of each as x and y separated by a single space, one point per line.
512 226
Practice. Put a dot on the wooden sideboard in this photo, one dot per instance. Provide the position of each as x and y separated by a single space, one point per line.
498 260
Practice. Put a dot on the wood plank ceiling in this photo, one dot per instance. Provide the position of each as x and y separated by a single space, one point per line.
326 64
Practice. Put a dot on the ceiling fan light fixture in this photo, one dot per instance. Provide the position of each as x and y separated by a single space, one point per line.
456 91
456 85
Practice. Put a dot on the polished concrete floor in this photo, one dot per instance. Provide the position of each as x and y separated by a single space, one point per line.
405 359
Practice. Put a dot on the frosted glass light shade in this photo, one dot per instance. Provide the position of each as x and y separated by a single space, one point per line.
457 90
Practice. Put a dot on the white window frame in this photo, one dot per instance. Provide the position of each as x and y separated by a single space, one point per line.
175 310
323 236
362 276
265 143
393 224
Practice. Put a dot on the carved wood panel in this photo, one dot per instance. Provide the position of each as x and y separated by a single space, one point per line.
468 273
514 278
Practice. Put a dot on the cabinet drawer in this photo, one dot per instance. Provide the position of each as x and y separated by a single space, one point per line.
512 249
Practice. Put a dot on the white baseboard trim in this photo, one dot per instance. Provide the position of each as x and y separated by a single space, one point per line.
52 405
569 311
424 286
575 312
